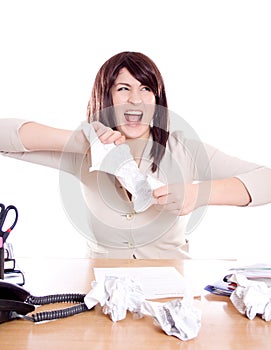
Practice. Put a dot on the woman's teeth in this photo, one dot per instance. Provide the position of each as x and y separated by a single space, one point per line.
133 116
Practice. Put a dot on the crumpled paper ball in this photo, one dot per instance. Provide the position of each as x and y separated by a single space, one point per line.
117 295
251 298
176 317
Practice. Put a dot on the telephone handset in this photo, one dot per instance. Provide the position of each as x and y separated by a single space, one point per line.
16 302
12 301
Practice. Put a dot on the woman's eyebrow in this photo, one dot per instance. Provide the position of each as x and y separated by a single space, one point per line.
126 84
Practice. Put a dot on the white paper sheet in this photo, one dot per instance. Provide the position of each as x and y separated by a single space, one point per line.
118 161
156 282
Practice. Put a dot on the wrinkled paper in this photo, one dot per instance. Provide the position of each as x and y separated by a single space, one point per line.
117 295
118 161
251 298
176 317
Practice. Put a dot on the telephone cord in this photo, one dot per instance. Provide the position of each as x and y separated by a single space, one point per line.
56 314
55 298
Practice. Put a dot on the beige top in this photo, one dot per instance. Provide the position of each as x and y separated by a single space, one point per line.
114 229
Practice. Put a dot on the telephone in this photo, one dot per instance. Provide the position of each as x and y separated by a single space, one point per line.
16 302
12 301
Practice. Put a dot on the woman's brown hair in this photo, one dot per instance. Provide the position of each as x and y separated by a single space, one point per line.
146 72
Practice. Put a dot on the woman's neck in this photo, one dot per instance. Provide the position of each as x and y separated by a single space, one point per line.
137 147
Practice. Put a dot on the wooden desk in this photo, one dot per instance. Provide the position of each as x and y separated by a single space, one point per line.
222 327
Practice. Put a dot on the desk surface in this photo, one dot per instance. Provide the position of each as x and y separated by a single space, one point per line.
222 327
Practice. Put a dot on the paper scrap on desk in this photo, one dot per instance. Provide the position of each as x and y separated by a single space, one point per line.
157 282
176 317
121 164
251 298
117 295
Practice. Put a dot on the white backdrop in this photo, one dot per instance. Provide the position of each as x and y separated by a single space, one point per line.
215 59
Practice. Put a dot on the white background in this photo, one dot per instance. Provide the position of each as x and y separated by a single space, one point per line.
215 59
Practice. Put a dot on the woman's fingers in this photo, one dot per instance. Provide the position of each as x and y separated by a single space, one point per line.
108 135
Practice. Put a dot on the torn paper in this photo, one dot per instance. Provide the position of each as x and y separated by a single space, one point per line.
117 295
251 298
118 161
176 317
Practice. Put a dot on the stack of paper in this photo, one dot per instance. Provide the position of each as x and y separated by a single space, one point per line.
156 282
256 272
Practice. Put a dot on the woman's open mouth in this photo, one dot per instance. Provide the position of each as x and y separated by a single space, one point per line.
133 116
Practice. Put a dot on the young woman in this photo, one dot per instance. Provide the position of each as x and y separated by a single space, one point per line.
128 105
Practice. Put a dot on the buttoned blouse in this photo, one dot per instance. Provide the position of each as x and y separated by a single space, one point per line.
113 228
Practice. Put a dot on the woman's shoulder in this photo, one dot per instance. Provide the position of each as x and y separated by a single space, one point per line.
176 135
179 141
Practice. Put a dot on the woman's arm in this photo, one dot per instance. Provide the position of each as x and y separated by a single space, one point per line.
230 191
183 199
41 144
26 136
212 178
38 137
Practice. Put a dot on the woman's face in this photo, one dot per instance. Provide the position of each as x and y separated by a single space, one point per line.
134 105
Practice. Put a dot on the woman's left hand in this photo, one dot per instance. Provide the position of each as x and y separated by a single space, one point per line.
178 199
182 199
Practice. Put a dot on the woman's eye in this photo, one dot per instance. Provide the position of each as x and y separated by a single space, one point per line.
122 88
146 88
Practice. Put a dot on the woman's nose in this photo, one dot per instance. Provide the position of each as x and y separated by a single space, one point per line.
134 97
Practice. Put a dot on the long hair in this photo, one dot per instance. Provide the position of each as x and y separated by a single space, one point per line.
146 72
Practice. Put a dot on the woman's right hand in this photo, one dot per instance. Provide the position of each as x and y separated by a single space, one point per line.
108 135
